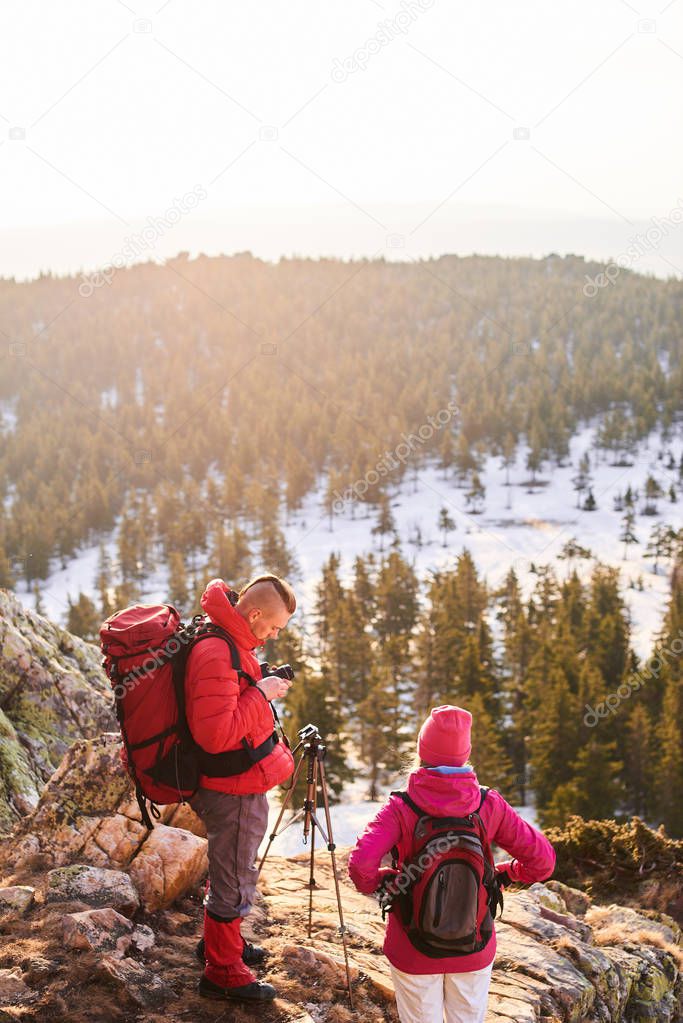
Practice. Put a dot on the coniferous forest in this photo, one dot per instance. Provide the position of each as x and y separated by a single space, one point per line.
192 406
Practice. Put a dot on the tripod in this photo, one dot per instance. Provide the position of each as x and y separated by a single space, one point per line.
313 753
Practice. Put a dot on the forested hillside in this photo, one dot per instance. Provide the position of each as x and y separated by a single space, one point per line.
562 707
187 396
179 415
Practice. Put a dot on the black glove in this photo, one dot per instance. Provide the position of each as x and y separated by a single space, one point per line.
385 891
503 878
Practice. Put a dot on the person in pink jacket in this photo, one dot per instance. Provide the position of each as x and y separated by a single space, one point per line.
429 990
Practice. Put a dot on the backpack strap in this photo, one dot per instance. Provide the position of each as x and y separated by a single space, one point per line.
484 791
211 629
248 755
395 862
410 803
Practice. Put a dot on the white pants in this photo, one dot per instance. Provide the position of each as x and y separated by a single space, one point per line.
442 997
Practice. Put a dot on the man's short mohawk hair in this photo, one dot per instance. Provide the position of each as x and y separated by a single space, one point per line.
282 588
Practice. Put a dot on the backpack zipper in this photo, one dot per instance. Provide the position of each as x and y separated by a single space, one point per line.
441 882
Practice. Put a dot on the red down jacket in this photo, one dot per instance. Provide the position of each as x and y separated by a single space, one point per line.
222 709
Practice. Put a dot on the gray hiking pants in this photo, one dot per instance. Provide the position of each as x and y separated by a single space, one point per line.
235 826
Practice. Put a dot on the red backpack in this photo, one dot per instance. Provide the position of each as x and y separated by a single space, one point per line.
145 649
446 892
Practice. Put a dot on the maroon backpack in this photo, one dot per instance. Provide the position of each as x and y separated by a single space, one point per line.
446 893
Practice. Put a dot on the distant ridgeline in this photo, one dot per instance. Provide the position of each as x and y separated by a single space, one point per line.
177 396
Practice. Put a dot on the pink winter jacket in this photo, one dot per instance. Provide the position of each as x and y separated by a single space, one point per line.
446 795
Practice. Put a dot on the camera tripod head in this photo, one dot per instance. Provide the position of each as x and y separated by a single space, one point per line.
311 740
309 732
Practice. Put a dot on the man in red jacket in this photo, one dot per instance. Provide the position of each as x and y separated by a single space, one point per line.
228 706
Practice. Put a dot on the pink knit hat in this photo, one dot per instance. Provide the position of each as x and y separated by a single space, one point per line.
444 739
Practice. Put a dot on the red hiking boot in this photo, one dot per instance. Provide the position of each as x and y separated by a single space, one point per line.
225 975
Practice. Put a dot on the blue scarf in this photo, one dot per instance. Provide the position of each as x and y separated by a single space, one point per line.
445 769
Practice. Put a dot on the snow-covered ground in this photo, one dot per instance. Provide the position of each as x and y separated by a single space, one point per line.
530 532
8 415
348 817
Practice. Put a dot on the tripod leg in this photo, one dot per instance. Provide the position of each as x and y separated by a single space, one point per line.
285 801
311 878
331 847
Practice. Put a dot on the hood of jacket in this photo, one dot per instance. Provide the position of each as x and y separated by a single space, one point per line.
216 602
444 795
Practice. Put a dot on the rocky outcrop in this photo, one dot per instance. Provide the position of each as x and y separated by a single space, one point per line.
87 825
550 962
170 862
52 691
604 964
15 900
93 885
105 930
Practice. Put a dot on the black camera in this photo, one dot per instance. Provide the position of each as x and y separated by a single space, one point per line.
284 671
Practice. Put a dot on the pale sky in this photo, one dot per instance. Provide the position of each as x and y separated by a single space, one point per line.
369 126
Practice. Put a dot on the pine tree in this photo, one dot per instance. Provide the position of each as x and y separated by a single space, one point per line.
509 454
627 535
383 746
670 761
583 478
329 593
275 555
446 524
475 495
104 583
447 452
554 738
489 755
518 645
594 789
6 575
83 618
535 454
231 555
364 587
639 762
571 551
606 629
178 592
465 460
660 545
456 601
310 701
385 525
590 504
653 492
